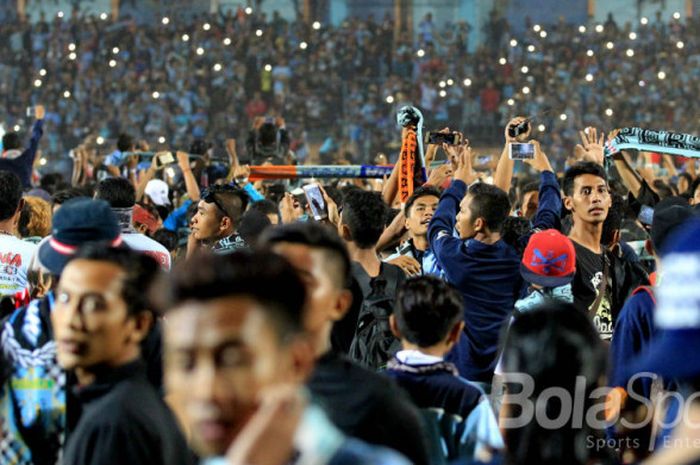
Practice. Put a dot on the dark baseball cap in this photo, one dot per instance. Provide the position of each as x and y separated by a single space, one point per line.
76 223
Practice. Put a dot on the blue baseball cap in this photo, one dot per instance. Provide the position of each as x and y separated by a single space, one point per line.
76 223
677 315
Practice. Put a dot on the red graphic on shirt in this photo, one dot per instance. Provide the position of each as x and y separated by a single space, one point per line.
11 259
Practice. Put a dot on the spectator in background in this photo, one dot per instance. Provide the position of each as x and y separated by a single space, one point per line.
18 161
428 320
35 221
15 254
121 196
215 225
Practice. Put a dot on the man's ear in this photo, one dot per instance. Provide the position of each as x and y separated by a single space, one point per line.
342 305
568 203
140 228
144 321
394 326
20 206
455 333
225 223
345 232
479 225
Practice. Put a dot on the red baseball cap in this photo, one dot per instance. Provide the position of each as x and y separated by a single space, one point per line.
549 259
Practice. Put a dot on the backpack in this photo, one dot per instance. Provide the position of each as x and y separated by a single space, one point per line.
374 343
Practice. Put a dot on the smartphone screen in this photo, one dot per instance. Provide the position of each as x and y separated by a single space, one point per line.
31 112
437 138
315 200
165 158
518 151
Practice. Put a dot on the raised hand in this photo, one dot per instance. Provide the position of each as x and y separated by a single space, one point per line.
540 162
514 122
592 146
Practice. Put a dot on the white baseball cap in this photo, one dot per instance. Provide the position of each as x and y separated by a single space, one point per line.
158 190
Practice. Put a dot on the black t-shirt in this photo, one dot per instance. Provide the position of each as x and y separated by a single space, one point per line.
585 287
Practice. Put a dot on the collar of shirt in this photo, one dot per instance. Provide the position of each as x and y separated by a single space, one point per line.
416 357
108 377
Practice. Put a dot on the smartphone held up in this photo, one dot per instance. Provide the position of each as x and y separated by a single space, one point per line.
439 138
518 151
316 202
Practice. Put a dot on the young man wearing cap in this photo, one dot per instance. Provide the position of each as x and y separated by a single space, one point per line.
15 254
121 196
603 281
33 436
215 224
480 264
100 319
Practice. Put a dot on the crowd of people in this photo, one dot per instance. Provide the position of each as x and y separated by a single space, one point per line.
177 307
215 74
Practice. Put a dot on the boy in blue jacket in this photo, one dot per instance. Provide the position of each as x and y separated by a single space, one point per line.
483 267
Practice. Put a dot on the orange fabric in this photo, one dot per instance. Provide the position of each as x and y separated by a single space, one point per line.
407 165
272 172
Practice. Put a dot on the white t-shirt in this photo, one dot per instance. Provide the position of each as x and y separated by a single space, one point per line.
15 255
143 243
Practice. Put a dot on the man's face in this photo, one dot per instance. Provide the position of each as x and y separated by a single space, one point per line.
219 355
590 199
464 223
322 293
531 201
90 319
420 214
206 223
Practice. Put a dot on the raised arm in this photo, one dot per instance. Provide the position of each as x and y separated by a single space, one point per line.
183 161
504 169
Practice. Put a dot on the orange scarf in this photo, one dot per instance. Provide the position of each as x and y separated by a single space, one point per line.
407 165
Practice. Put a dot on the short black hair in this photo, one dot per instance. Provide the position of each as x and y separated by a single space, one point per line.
118 192
125 142
490 203
10 194
363 213
662 189
267 134
233 199
533 186
427 308
265 206
166 238
141 272
316 236
579 169
11 141
253 224
61 197
262 276
423 191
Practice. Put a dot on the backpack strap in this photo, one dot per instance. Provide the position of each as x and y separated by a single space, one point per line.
362 278
392 274
646 289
